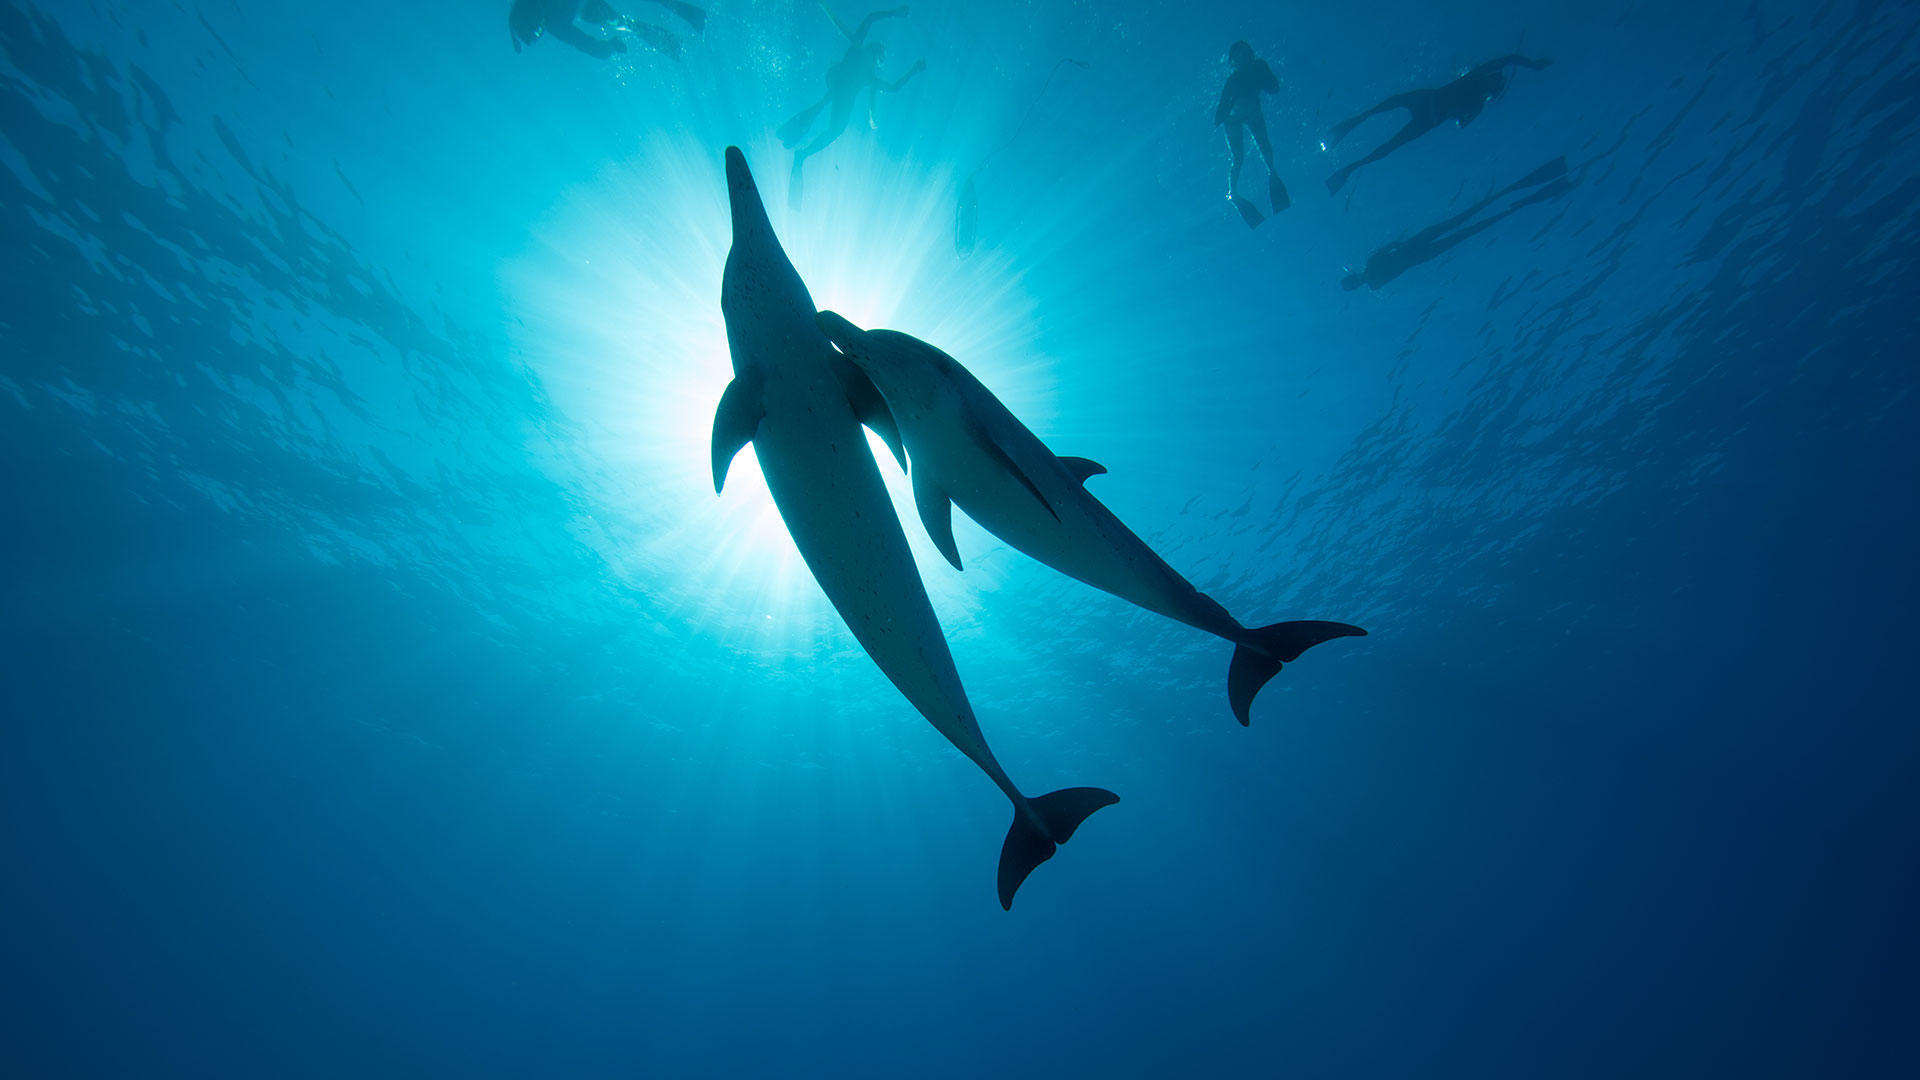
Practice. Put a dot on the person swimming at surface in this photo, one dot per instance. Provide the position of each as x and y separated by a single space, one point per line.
1239 112
1460 101
858 70
1392 260
528 20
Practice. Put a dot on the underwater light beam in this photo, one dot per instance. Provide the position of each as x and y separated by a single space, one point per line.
620 316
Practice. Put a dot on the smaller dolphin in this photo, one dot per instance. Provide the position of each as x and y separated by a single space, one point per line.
966 448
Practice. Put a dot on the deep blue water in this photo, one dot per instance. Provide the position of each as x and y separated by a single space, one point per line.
387 693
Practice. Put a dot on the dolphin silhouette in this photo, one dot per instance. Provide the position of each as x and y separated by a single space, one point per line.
802 404
967 448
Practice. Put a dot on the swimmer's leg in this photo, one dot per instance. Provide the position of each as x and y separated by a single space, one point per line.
1237 155
1397 101
600 48
1237 149
1414 129
836 123
794 131
1276 191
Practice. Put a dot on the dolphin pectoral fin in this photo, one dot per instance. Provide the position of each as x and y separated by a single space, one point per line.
871 409
1260 659
1005 461
1081 468
1027 847
936 514
741 410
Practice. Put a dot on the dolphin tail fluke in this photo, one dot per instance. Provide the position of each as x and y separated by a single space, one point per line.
1027 847
1266 649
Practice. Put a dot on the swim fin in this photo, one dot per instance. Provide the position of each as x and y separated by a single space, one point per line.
1277 192
1249 212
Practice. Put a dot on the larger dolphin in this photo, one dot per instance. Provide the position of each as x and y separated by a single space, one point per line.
802 404
967 448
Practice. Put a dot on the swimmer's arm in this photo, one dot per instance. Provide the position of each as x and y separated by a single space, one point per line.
1268 82
837 24
893 87
866 24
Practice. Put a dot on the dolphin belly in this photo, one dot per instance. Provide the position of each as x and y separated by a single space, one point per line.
829 492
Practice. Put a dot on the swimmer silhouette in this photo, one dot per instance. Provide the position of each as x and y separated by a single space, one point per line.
1239 112
1394 259
1460 101
529 20
858 70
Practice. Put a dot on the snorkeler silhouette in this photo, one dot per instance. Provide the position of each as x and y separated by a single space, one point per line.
527 20
1239 110
858 70
1429 243
1460 101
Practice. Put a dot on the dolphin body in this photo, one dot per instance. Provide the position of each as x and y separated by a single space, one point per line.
967 448
802 405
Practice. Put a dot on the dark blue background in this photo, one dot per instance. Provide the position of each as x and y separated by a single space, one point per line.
369 711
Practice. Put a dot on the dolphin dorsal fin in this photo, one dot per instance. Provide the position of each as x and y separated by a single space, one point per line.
936 514
1081 468
734 423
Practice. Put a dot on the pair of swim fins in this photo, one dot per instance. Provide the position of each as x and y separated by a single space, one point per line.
1249 213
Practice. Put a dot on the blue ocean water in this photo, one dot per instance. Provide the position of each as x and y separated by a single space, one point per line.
387 692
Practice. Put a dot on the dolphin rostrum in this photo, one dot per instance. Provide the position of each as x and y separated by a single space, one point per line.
802 404
967 448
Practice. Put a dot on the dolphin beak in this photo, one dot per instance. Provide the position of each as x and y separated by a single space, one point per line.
743 195
842 333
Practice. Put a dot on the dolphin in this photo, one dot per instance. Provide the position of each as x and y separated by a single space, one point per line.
967 448
801 405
